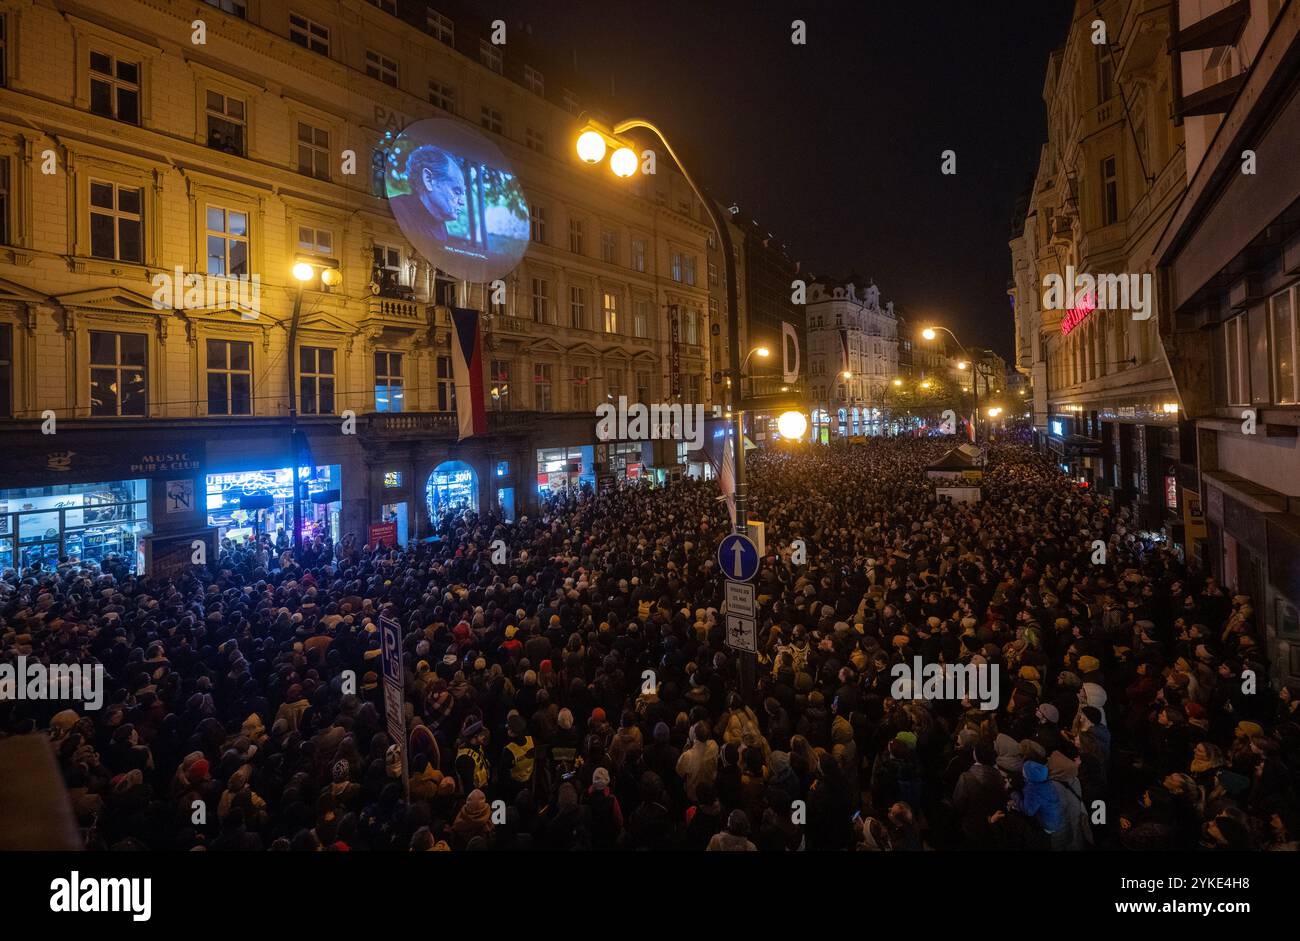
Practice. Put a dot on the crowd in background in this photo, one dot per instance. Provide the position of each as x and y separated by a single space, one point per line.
580 694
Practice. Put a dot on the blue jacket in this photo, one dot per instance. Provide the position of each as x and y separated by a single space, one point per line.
1040 799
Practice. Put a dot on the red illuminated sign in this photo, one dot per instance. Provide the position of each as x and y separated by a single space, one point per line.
1077 315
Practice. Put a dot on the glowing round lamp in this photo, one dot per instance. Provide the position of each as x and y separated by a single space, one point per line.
331 277
623 162
591 147
303 271
792 425
762 351
928 333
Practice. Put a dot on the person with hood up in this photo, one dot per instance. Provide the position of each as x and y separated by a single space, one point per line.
1039 799
735 838
1074 833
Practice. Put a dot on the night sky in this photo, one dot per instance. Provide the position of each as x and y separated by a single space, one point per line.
834 146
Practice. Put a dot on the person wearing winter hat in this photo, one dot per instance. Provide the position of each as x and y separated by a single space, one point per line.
474 819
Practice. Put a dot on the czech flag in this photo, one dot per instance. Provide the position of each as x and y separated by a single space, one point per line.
467 372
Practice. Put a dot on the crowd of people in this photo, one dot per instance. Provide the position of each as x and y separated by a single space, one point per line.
580 694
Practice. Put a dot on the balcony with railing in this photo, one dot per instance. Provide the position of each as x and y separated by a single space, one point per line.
444 426
402 310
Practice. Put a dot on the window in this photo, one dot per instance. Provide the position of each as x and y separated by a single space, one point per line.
114 87
535 140
230 377
581 388
713 275
537 225
392 480
677 266
569 101
692 387
6 370
442 96
575 236
534 81
688 269
609 306
388 382
381 67
116 222
638 255
500 387
318 241
613 383
4 198
609 246
1105 75
1110 192
693 327
315 380
439 26
313 151
4 52
641 318
446 385
643 391
541 300
490 118
542 387
309 34
388 263
388 6
227 242
578 308
1236 360
1285 374
233 7
227 123
117 373
490 56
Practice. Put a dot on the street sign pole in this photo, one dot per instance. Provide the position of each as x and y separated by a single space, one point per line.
390 651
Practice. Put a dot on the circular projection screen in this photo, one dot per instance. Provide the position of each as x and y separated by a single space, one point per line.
457 200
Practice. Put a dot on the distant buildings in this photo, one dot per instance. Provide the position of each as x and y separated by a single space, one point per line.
852 358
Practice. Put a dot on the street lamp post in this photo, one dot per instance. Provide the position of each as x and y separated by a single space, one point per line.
929 334
591 146
305 268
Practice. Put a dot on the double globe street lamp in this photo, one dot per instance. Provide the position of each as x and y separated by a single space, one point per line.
593 143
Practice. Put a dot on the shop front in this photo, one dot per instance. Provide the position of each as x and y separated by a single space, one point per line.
452 488
96 496
563 469
246 504
90 522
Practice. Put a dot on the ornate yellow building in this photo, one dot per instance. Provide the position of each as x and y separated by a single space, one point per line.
141 138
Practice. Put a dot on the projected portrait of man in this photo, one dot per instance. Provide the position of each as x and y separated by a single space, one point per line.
438 181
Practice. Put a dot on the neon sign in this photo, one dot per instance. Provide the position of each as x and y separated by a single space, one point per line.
1078 314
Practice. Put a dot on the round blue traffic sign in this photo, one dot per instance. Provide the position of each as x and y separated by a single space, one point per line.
738 557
